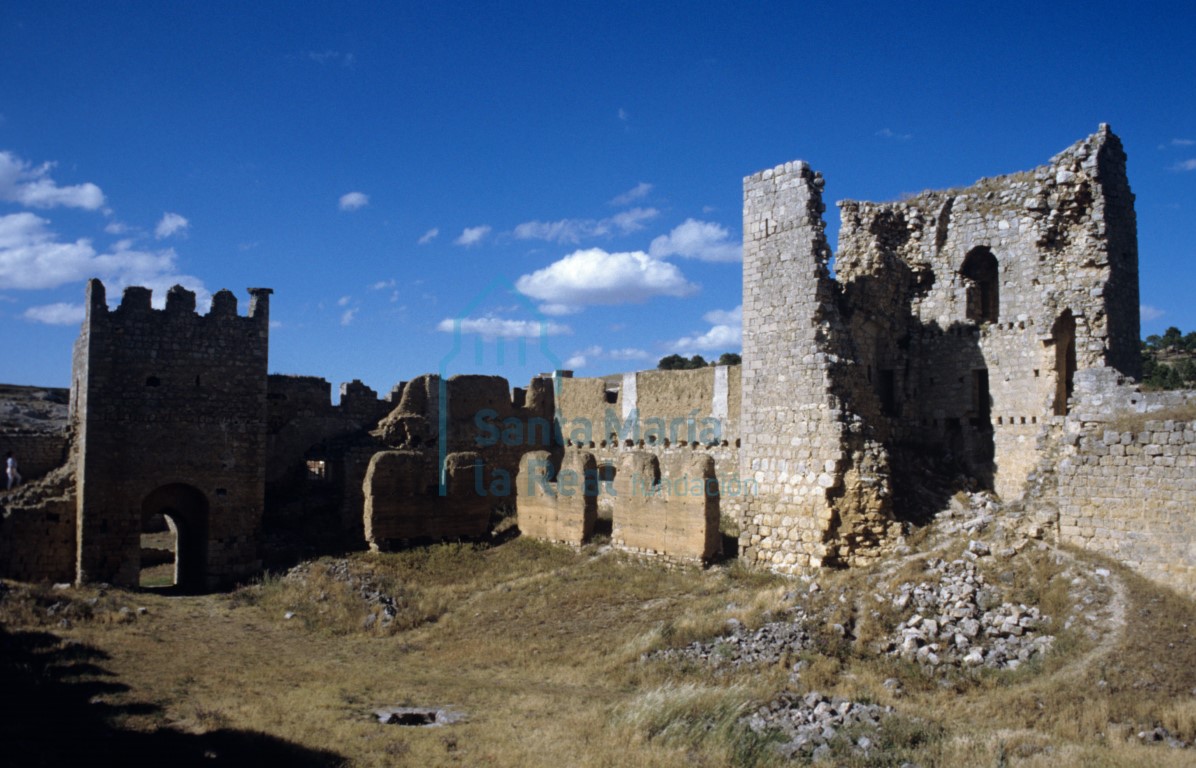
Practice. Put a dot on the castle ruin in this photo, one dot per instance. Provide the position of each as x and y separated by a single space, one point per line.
989 332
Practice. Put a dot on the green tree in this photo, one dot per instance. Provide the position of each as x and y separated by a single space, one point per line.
729 358
697 361
1172 337
673 363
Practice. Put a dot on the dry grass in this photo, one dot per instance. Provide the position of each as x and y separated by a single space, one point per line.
1136 422
541 646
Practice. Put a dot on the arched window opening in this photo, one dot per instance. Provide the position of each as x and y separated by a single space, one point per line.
1064 334
981 277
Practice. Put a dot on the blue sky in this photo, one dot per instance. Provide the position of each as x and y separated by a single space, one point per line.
389 167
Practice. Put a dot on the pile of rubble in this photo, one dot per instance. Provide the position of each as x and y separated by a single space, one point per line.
742 647
380 607
809 723
956 619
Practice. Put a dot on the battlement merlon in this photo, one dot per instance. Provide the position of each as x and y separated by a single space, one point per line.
259 305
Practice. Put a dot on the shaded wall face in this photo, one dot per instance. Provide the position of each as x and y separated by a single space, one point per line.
171 397
1058 239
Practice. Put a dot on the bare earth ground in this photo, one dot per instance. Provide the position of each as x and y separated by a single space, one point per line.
541 648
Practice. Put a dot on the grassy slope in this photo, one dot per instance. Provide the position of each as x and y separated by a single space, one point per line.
541 646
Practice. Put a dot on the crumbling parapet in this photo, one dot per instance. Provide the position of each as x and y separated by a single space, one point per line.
667 506
557 504
403 502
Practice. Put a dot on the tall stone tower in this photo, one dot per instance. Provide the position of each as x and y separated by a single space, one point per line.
793 423
170 418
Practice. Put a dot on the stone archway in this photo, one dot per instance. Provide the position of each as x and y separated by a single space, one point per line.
185 509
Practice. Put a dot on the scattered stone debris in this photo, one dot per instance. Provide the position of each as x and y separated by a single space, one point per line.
956 619
809 723
380 607
742 647
1160 735
426 717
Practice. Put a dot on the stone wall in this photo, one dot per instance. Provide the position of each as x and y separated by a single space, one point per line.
557 504
37 529
667 506
949 339
172 418
1126 478
802 445
980 361
700 408
37 453
403 502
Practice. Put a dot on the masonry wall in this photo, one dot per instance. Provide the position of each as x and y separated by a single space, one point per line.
37 529
820 482
171 408
402 503
1126 478
657 410
557 504
667 506
984 383
37 453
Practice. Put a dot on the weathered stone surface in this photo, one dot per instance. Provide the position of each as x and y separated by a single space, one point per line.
403 501
557 504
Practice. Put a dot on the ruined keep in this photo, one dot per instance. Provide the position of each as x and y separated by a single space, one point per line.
954 328
169 409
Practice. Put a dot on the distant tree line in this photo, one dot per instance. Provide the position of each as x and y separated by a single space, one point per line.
1169 360
679 363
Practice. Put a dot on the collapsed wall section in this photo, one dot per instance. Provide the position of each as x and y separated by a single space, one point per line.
973 309
557 504
403 502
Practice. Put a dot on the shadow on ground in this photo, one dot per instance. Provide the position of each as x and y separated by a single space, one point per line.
48 718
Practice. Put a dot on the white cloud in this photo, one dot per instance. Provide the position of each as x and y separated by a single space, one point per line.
498 327
582 358
473 235
56 314
623 114
575 230
888 133
595 276
171 224
725 334
32 258
343 301
429 236
383 285
351 201
331 57
348 315
628 353
22 183
1183 142
1185 165
116 228
633 194
702 240
1149 313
